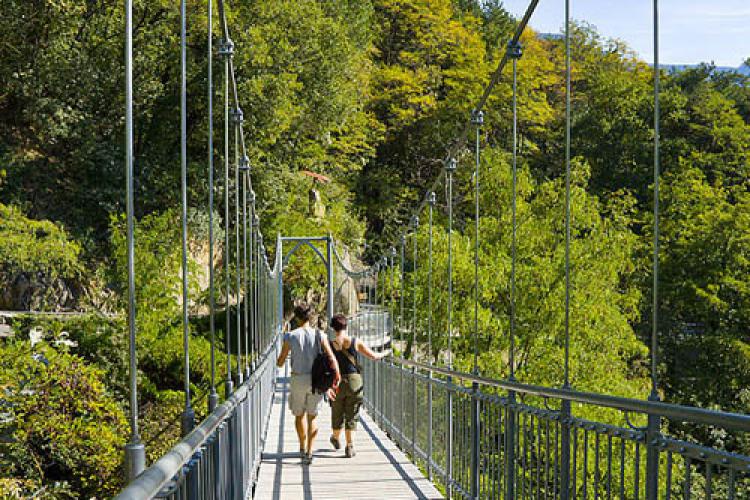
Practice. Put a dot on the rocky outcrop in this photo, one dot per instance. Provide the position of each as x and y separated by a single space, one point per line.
28 291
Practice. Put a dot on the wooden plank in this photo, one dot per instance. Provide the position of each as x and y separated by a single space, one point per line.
379 469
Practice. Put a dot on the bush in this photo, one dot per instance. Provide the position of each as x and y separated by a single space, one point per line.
62 424
39 263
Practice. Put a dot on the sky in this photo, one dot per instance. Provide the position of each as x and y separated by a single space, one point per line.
691 31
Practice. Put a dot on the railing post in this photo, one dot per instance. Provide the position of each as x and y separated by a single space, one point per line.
652 455
565 416
510 448
475 444
193 480
449 441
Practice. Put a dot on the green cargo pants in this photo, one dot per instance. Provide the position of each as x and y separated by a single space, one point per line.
345 409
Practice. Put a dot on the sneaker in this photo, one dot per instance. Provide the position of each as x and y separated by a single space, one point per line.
335 442
349 451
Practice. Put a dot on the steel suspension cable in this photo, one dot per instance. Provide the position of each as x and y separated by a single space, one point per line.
188 415
457 145
213 397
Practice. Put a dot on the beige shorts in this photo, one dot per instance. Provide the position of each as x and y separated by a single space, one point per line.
301 398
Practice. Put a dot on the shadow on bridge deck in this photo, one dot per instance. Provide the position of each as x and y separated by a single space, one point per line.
379 470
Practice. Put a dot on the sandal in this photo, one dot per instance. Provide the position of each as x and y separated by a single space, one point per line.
335 442
349 451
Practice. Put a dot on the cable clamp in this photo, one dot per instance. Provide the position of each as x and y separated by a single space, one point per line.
451 164
256 221
514 50
431 198
251 195
244 165
477 117
237 115
226 48
415 222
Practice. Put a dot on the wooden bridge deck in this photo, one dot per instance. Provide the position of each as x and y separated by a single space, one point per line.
379 470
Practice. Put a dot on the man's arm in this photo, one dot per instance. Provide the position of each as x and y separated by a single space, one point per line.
329 352
285 348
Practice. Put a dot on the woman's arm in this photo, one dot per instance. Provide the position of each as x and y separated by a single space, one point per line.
375 356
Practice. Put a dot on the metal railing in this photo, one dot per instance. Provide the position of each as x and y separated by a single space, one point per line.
220 458
478 437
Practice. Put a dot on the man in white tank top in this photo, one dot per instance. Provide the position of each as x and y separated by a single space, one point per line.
301 345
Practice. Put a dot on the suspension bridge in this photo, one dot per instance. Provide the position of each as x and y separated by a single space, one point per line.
429 429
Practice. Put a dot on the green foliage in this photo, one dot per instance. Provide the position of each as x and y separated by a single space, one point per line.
63 423
158 294
604 301
369 94
32 246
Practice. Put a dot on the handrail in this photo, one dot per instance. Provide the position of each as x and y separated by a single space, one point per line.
724 419
151 481
154 479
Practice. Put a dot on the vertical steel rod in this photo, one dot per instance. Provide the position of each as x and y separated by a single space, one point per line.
246 294
237 254
514 51
229 385
135 452
431 359
188 415
213 397
654 421
477 119
330 277
451 166
565 406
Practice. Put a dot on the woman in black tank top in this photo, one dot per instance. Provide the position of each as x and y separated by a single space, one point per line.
345 407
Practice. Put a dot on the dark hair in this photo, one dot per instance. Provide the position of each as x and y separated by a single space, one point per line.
338 322
303 312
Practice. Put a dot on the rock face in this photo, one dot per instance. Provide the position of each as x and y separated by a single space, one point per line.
346 294
37 292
